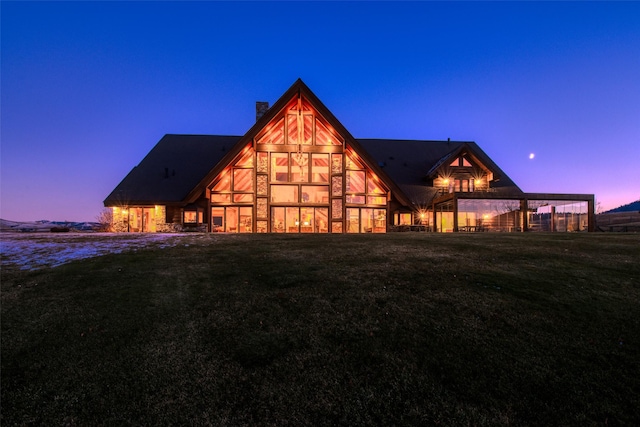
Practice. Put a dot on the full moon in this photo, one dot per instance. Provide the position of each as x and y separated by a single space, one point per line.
531 156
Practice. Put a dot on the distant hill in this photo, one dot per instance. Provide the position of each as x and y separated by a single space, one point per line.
45 226
629 207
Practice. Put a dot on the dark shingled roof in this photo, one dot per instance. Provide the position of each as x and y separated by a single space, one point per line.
409 162
178 164
171 169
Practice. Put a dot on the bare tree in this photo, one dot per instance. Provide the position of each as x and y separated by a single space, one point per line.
105 220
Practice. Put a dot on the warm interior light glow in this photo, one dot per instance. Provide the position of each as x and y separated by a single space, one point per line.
446 180
477 181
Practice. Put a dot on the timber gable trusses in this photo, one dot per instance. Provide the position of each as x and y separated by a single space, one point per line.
304 102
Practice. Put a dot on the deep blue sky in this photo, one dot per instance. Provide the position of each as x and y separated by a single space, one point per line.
89 88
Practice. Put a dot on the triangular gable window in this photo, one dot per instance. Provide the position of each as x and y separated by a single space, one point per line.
373 186
274 135
224 182
324 137
351 161
460 162
246 160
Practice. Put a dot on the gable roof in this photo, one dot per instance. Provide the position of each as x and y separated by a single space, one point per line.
179 167
171 170
410 163
299 88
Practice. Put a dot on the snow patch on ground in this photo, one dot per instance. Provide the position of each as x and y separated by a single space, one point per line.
38 250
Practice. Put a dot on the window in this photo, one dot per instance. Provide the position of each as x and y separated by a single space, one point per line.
246 160
299 167
220 198
324 136
373 186
355 199
460 162
273 135
243 198
355 182
190 217
285 184
402 219
224 184
376 200
243 180
315 194
279 167
320 168
217 219
284 194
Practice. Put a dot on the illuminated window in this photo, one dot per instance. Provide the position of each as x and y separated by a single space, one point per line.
300 167
217 219
246 160
324 137
273 135
224 184
279 167
460 162
315 194
320 168
403 219
245 222
243 180
376 200
372 186
355 199
353 220
243 198
355 182
351 162
220 198
373 220
284 194
190 217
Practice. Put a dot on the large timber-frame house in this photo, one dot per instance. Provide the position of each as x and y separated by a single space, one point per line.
298 170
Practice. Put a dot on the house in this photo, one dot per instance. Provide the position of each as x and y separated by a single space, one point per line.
299 170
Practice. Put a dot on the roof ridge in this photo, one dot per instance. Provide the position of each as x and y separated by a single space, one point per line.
415 140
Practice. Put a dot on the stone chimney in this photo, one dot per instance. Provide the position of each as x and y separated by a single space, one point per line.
261 109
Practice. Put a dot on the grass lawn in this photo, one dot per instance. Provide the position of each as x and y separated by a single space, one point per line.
395 329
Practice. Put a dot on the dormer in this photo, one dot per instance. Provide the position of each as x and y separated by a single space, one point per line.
461 171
